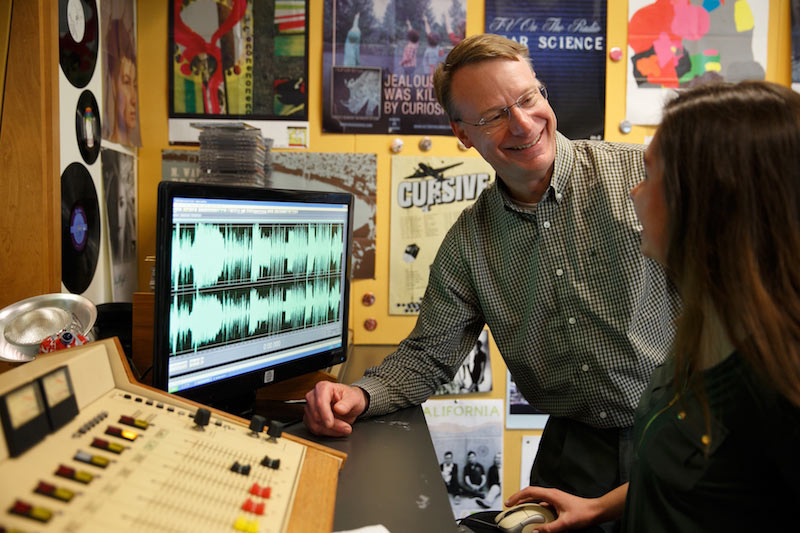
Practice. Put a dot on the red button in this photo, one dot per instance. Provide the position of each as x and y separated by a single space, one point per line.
45 488
21 507
65 471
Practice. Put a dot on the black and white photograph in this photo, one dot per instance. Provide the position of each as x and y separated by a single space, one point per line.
119 184
468 438
475 374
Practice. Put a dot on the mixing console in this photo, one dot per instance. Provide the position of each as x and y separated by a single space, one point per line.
84 449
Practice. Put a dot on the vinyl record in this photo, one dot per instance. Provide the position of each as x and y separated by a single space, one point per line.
80 228
78 40
87 127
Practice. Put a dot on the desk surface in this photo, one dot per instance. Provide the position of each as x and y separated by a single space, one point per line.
391 476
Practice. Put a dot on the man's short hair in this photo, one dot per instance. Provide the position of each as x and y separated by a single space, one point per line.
473 49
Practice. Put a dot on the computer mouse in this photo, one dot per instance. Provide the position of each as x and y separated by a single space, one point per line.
523 518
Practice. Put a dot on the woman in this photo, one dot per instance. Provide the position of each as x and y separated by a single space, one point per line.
717 432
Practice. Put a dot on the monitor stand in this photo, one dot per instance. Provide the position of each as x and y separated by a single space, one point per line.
285 401
240 405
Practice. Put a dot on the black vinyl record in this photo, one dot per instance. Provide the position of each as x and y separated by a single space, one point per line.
87 127
78 40
80 228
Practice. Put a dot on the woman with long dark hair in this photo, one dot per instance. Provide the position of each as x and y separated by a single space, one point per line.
717 432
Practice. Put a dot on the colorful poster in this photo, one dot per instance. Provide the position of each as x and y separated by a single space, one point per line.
353 173
468 438
119 184
675 45
238 59
378 58
475 373
120 84
567 42
428 195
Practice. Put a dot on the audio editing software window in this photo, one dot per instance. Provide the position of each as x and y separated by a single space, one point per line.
253 284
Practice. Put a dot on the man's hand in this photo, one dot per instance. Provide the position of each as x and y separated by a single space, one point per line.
331 408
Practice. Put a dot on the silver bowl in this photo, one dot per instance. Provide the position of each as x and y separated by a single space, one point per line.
25 324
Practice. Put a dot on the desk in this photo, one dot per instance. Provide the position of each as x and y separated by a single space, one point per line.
391 476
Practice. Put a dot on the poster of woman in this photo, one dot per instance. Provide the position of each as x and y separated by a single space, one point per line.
120 85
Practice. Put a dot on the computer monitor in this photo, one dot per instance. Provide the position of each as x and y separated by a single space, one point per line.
251 288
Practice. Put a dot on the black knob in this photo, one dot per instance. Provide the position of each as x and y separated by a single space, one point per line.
275 429
257 423
202 417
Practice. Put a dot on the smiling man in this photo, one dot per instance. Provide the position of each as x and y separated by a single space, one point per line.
548 257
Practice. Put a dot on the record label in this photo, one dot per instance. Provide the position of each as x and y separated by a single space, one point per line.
76 20
78 38
80 228
87 127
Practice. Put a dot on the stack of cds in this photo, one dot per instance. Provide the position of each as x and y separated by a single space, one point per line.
233 153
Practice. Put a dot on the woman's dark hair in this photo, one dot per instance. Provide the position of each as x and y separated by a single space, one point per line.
731 172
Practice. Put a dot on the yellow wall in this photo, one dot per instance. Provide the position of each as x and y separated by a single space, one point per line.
152 39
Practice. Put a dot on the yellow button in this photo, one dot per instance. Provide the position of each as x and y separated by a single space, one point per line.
128 435
114 447
99 460
705 439
141 423
41 514
252 526
241 524
83 477
63 494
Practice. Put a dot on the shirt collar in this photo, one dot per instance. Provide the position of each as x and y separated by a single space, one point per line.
562 171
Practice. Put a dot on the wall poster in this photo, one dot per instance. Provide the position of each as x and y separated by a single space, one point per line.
428 195
468 438
567 42
377 63
676 45
519 413
352 173
475 373
119 185
239 60
120 122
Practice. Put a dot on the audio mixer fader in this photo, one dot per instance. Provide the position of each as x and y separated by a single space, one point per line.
85 448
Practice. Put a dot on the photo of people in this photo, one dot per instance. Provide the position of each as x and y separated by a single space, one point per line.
378 62
467 436
120 85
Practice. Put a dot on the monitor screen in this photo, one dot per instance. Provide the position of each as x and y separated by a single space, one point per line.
252 287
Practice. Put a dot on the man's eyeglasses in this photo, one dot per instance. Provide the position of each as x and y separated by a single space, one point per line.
526 102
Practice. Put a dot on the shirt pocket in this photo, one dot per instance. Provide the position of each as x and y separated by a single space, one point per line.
682 449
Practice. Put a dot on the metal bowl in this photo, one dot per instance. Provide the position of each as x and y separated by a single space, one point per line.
25 324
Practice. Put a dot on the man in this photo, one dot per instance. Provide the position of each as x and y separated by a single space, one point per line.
474 482
493 483
548 257
450 474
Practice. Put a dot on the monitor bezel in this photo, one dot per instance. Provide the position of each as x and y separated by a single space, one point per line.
232 393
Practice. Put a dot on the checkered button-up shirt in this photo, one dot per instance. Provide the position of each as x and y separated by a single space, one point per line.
580 317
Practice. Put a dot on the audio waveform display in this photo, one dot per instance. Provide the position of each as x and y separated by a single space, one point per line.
212 319
253 253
